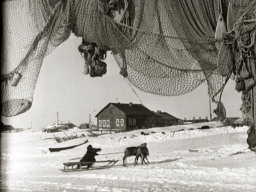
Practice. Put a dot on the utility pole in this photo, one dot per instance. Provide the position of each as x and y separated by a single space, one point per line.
57 119
90 121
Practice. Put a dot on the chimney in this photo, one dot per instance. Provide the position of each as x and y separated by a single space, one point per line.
130 104
158 111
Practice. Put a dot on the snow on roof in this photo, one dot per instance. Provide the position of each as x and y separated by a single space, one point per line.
131 109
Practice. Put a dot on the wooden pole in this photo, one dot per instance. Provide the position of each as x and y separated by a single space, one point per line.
66 135
57 119
90 121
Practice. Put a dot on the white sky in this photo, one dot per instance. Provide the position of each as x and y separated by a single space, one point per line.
62 87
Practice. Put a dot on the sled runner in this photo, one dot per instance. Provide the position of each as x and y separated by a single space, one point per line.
74 165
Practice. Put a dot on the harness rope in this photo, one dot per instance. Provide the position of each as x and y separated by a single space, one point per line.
98 154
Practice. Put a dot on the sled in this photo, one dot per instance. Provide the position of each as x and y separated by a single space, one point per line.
72 166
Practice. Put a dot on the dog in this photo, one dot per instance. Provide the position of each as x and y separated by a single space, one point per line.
139 151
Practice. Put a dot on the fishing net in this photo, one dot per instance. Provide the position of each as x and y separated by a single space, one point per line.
173 52
31 30
164 47
242 40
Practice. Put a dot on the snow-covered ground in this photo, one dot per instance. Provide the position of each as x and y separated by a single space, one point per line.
182 158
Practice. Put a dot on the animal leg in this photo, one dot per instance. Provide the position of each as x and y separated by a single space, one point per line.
136 160
147 159
143 159
124 161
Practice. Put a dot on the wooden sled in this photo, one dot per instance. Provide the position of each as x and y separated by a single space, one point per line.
72 166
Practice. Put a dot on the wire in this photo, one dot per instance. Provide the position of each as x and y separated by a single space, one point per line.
134 91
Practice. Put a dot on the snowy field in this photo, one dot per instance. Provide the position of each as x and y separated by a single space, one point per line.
182 158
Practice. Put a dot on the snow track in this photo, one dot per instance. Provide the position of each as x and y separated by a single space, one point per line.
182 158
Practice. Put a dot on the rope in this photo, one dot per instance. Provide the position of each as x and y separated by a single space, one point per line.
134 91
167 36
171 67
111 153
221 89
99 154
43 32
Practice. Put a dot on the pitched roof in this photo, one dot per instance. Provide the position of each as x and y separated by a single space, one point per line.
131 109
164 115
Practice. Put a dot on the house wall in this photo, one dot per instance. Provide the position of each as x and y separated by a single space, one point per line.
180 122
84 126
141 122
112 118
169 122
151 121
115 119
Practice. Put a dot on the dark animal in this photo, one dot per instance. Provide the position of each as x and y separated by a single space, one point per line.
89 156
204 127
143 133
140 151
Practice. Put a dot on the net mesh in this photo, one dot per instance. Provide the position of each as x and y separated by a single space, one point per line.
29 34
168 46
168 56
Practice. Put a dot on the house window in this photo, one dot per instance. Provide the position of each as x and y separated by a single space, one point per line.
117 122
108 123
104 123
100 123
134 121
130 121
122 122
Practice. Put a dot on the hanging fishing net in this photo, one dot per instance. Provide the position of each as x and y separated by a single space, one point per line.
164 47
31 30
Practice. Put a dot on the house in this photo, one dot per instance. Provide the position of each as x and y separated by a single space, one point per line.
84 126
165 119
6 128
69 125
125 117
194 120
59 127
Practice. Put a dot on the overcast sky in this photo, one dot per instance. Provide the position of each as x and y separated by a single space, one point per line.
62 87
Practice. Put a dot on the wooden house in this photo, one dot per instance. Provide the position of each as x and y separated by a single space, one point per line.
165 119
125 117
84 126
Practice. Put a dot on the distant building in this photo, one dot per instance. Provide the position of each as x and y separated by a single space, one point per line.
194 120
69 125
84 126
125 117
59 127
7 128
165 119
